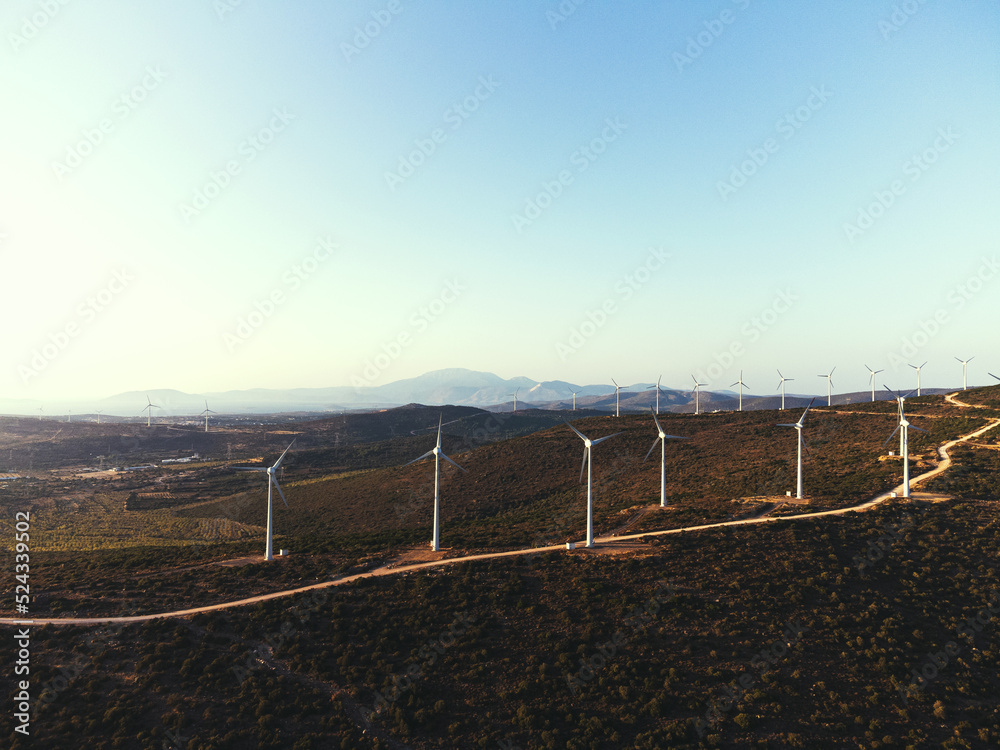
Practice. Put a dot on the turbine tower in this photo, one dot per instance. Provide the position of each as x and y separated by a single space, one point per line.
741 384
272 484
40 410
874 373
904 435
438 454
206 413
657 387
98 416
588 445
782 386
697 385
662 438
514 396
829 387
617 388
148 408
801 442
918 369
965 372
574 399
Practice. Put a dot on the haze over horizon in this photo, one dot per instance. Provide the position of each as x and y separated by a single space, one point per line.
237 195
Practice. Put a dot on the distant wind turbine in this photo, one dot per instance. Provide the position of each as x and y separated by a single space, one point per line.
272 484
438 454
697 385
662 440
40 410
69 413
741 384
782 386
657 387
514 396
574 399
149 409
801 442
206 413
904 433
965 372
98 416
918 369
617 388
829 386
873 373
588 445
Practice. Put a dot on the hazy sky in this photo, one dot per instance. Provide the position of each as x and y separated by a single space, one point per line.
214 195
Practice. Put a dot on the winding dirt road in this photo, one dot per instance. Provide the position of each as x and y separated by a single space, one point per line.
943 466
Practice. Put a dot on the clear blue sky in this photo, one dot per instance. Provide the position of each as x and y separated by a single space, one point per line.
561 150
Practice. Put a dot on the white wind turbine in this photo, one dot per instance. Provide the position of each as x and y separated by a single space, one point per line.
782 386
965 372
574 399
697 385
98 416
741 384
662 440
873 373
438 454
801 442
657 387
514 396
903 428
40 410
617 388
829 386
588 445
918 369
148 408
272 484
206 413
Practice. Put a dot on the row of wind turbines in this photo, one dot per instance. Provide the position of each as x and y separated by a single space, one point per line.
780 387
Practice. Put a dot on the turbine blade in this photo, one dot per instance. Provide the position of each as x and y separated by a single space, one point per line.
583 463
676 437
280 493
993 376
891 436
658 428
653 446
452 463
247 468
428 454
918 429
601 440
282 458
582 436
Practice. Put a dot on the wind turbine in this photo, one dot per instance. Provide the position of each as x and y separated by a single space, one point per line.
574 399
617 388
904 440
741 384
829 386
657 387
874 373
782 386
206 413
438 454
965 372
149 409
918 375
697 385
98 416
588 445
662 439
514 395
801 442
40 410
69 414
272 484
